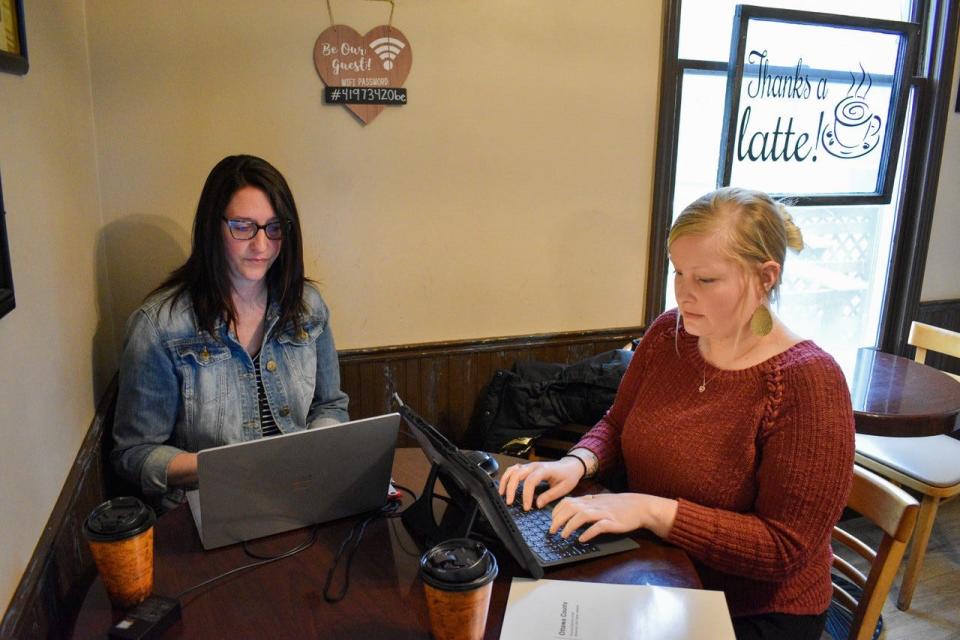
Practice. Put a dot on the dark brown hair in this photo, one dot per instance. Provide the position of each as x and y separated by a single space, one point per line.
205 275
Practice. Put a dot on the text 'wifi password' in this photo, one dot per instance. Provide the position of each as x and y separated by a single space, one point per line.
387 49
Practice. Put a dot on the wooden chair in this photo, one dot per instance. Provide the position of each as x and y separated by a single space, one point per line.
894 511
928 465
926 337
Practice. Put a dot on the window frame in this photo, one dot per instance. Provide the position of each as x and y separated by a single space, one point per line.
906 62
931 82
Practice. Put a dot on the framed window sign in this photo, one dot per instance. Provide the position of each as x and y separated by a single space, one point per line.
815 105
7 302
13 38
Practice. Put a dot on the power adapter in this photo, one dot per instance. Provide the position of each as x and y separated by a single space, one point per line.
147 620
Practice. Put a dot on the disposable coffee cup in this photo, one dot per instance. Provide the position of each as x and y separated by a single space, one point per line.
120 534
458 580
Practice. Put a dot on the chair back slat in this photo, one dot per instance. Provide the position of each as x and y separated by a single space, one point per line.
926 337
840 595
850 571
883 503
854 543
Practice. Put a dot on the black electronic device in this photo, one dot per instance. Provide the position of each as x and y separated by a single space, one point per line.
473 492
147 620
485 461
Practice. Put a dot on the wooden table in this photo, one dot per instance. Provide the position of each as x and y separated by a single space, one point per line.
385 600
895 396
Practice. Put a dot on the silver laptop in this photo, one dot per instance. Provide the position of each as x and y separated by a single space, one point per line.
253 489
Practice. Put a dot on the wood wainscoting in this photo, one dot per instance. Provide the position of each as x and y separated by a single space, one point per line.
442 380
61 568
944 314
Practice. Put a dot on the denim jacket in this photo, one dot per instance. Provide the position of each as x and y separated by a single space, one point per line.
182 389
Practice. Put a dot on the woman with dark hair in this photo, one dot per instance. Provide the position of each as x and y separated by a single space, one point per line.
235 345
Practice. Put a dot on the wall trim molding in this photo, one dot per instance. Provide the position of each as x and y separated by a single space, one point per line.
479 345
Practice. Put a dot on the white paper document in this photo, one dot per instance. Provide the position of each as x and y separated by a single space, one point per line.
567 610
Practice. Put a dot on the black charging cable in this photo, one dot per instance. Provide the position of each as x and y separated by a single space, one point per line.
352 542
262 561
357 530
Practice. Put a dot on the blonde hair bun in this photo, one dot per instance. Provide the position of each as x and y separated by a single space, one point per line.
794 235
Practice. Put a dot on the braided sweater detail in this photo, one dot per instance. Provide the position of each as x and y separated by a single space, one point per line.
761 463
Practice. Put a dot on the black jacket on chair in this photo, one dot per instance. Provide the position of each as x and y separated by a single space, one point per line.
533 397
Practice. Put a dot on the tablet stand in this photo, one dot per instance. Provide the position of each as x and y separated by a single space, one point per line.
458 517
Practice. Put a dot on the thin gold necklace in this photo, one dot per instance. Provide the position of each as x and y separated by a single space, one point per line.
703 384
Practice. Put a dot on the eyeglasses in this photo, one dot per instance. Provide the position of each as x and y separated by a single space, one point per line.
247 230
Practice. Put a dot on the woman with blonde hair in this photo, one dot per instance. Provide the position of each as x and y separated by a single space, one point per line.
736 435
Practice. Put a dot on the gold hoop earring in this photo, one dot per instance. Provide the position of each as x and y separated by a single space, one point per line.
761 322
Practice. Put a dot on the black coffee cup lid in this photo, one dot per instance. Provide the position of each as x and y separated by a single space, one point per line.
119 518
459 564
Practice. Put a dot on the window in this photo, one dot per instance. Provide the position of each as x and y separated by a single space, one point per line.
866 221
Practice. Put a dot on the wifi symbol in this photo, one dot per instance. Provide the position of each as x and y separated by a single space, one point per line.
387 49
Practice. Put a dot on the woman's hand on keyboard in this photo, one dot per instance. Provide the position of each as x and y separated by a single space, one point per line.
562 476
613 513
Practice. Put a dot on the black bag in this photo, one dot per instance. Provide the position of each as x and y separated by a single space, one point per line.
533 397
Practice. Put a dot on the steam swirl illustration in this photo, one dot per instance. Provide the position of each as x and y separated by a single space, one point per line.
855 130
852 113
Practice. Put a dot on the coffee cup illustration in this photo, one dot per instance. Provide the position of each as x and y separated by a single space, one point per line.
855 125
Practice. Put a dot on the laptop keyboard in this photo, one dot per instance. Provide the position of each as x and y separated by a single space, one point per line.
534 526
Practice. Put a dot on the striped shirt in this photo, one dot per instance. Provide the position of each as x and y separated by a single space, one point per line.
268 426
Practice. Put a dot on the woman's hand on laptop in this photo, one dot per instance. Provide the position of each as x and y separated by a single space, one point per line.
562 476
613 513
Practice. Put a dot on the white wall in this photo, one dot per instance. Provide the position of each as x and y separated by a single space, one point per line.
510 196
50 342
941 279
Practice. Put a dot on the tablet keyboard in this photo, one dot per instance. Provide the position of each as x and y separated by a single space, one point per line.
534 526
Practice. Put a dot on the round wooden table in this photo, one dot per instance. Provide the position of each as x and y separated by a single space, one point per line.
385 600
896 396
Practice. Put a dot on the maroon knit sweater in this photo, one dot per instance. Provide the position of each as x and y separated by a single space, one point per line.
761 463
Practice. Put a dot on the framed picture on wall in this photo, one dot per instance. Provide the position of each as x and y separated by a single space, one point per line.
13 38
7 302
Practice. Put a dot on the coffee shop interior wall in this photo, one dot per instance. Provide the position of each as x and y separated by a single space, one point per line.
941 280
511 196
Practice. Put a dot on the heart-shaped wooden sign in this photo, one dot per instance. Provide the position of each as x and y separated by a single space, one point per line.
381 58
